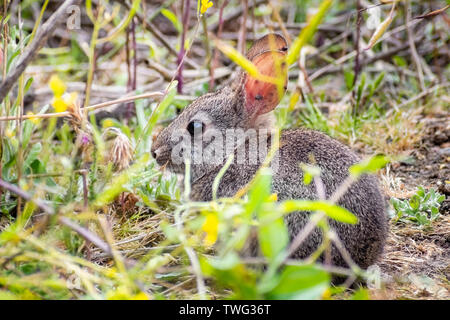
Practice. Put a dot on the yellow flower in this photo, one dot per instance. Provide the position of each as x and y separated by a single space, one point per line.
273 197
60 104
326 295
33 119
211 227
124 293
57 86
140 296
120 293
9 133
206 4
107 123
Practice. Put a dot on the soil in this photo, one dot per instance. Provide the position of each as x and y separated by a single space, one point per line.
416 262
429 163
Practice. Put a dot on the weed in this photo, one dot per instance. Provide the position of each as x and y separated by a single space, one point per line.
422 209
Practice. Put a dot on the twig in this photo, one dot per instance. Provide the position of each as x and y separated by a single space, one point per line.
301 236
208 50
412 46
131 75
330 68
236 13
180 58
39 40
242 32
171 81
149 26
358 53
277 16
348 182
433 13
91 237
88 235
421 95
39 203
216 51
89 108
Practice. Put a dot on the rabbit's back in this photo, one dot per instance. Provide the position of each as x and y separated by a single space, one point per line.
364 240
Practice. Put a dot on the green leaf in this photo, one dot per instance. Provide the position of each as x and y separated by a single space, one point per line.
305 282
400 61
173 18
28 84
349 78
361 294
422 208
378 80
140 114
414 202
370 165
259 191
27 131
332 210
231 273
273 238
32 155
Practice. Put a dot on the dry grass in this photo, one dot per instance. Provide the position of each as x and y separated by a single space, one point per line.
394 186
397 134
416 263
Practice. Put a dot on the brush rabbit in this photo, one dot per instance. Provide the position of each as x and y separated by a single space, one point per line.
244 106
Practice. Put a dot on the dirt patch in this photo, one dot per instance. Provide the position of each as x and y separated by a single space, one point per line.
416 262
429 164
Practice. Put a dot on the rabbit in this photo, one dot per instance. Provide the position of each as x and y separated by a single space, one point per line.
246 105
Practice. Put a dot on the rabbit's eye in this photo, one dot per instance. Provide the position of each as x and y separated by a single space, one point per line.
195 126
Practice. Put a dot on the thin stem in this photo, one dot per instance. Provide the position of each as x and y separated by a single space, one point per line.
92 59
208 50
181 54
216 51
20 116
38 42
412 46
89 108
357 67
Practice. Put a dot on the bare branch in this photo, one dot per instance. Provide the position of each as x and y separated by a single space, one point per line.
38 42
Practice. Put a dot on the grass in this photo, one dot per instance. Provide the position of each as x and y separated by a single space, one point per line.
130 231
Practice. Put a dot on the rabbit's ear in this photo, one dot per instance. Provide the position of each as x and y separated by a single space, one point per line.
270 42
263 96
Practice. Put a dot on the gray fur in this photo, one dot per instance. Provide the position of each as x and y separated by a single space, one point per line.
364 241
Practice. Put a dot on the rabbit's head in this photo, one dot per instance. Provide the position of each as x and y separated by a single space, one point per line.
199 132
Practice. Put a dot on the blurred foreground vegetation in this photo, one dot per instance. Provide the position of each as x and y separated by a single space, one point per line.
85 212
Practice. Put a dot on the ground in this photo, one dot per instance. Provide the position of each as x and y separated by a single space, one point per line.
416 263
